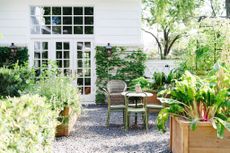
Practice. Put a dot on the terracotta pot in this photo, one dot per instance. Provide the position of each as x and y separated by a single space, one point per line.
153 99
65 129
202 140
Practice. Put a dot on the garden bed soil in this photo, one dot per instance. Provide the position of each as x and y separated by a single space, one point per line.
202 140
64 129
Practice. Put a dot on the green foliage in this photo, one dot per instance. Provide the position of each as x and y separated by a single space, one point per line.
200 99
206 46
168 16
27 124
58 91
15 80
8 59
162 81
167 13
145 84
120 65
159 79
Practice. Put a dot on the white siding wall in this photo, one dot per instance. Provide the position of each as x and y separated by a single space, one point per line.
116 21
14 21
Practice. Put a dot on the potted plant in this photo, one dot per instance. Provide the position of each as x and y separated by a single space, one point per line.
63 97
159 83
147 86
197 108
162 82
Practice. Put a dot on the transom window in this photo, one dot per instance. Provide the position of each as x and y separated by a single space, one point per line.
62 20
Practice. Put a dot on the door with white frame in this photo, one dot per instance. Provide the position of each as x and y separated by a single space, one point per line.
73 56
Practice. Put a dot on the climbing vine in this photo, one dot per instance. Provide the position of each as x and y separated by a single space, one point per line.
122 65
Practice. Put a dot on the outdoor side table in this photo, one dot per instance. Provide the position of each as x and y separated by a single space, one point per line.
136 96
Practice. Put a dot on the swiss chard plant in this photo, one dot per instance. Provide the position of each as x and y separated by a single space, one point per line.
198 99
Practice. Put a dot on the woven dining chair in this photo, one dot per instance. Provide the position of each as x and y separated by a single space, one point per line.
116 102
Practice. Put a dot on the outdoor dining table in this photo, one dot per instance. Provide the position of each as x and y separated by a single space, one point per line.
136 96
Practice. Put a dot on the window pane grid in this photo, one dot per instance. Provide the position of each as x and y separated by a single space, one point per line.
62 20
63 57
84 67
40 56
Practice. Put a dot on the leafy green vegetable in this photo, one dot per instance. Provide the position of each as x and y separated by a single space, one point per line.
197 100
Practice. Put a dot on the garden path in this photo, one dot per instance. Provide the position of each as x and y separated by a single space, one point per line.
91 136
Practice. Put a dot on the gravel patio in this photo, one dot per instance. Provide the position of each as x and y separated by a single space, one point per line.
91 136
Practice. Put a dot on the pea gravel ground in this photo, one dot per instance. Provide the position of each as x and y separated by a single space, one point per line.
91 136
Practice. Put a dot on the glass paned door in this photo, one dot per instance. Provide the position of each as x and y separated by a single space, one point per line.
72 57
62 50
75 57
39 55
83 63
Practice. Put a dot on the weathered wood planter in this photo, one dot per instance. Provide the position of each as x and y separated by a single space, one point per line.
65 128
202 140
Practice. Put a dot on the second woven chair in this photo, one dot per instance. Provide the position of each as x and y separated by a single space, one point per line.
116 102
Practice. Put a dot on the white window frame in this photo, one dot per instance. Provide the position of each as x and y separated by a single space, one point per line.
62 25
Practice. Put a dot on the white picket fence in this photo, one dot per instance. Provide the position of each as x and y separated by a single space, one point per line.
159 66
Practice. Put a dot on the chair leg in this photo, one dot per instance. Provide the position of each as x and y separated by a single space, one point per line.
148 115
126 121
124 117
143 118
108 118
146 121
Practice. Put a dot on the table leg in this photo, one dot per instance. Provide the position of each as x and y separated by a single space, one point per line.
136 113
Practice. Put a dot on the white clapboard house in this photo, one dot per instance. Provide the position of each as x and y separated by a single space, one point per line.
63 30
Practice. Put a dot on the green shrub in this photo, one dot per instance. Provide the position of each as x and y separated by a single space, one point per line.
59 92
13 81
27 124
8 59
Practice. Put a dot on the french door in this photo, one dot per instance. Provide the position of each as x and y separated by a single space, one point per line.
73 57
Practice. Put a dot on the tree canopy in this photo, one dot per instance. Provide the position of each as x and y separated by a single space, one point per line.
168 16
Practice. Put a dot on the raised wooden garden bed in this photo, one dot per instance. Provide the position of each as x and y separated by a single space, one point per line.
64 129
202 140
